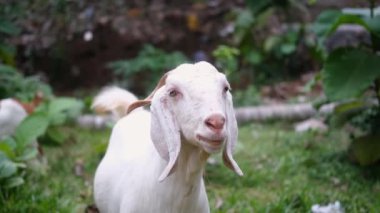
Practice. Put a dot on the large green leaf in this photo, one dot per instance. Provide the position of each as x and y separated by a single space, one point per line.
348 72
31 128
366 149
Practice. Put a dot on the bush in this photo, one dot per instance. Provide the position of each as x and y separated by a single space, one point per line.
351 77
151 63
17 150
15 85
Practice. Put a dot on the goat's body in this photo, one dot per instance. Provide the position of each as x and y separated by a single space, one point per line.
126 180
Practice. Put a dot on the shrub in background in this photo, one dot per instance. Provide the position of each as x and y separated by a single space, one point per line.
140 72
19 149
14 84
351 77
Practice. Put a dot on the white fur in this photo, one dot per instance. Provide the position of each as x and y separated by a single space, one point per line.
155 160
11 115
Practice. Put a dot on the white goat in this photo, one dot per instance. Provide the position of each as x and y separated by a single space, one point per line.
191 117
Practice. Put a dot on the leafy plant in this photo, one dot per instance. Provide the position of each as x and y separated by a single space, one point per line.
226 58
7 29
150 63
248 97
17 150
351 76
14 84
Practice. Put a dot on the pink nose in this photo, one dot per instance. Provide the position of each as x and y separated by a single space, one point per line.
215 122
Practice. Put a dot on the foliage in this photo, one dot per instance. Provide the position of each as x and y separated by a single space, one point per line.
248 97
151 62
18 150
225 57
13 84
266 56
348 75
7 30
63 189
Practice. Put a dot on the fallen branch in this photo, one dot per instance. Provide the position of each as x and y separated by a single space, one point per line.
293 112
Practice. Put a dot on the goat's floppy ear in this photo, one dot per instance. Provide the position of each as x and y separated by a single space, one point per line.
165 132
232 131
148 99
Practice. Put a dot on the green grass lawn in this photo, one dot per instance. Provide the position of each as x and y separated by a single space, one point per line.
284 172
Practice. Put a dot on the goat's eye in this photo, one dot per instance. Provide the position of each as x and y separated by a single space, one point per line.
173 93
226 89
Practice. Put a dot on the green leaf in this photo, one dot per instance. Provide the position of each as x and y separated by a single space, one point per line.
373 25
288 48
355 105
254 57
244 19
7 167
14 182
271 42
344 112
347 19
31 128
54 136
366 149
7 148
62 108
348 72
258 6
28 154
324 21
374 28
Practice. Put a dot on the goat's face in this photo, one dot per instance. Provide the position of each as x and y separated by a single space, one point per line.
192 102
197 95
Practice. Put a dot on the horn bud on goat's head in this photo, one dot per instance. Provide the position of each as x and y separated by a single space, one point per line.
192 102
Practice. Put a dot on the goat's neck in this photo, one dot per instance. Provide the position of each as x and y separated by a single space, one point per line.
191 162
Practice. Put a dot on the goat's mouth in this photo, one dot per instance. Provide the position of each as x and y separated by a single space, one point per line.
213 143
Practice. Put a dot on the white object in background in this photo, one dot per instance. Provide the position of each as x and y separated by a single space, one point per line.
11 115
310 124
330 208
88 36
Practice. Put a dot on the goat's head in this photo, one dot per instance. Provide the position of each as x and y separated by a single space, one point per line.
192 102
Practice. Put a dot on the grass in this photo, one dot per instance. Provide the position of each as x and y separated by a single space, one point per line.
289 172
284 172
60 189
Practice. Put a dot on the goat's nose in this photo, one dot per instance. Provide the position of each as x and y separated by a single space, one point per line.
215 122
